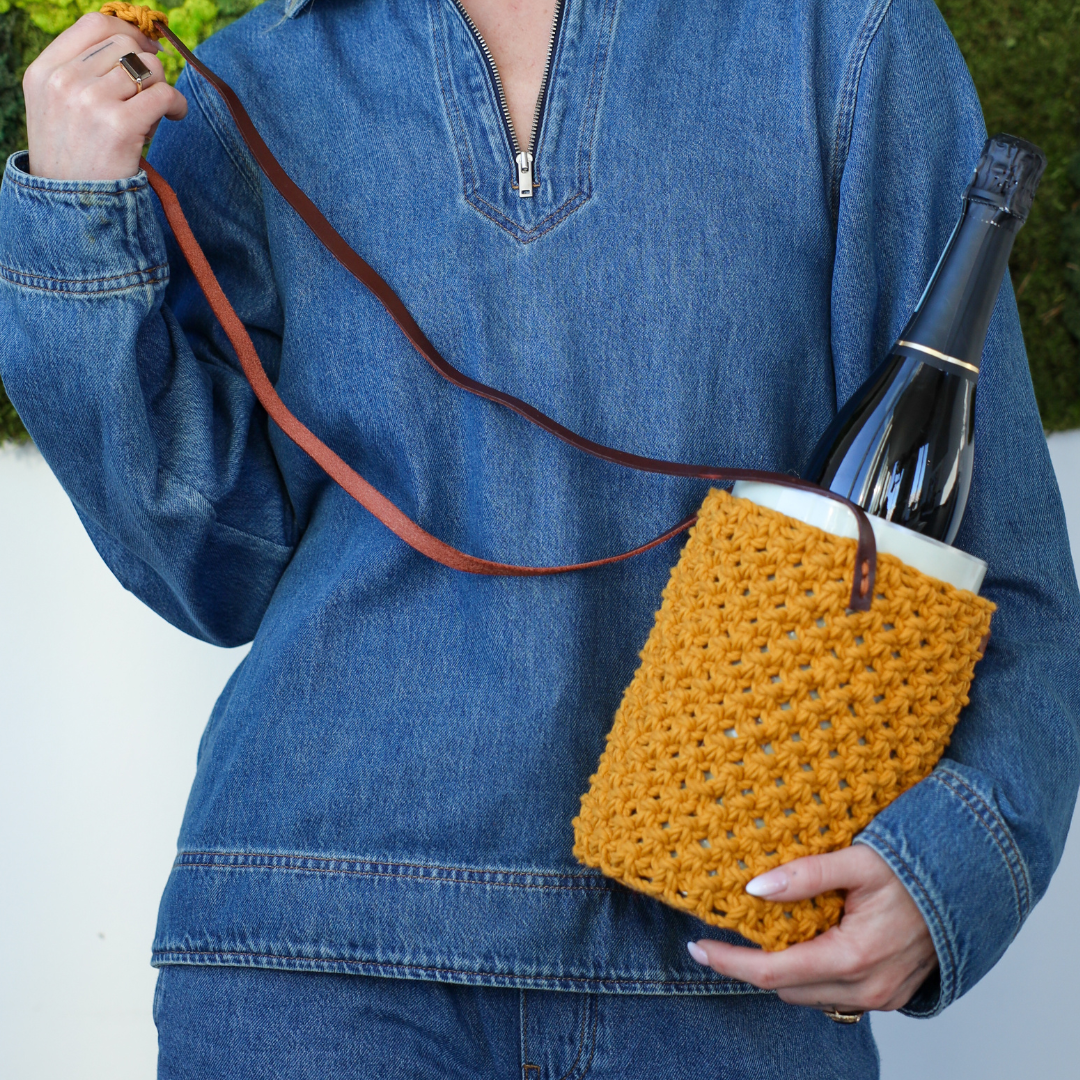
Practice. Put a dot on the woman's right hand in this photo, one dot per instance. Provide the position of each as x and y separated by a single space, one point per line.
84 120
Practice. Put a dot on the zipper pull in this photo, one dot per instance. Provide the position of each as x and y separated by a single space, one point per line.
525 174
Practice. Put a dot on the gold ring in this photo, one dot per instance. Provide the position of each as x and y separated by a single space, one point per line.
137 71
843 1017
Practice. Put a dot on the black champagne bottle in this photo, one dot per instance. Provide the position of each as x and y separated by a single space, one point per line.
902 447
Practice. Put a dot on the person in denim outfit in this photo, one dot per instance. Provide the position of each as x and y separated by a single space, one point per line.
734 208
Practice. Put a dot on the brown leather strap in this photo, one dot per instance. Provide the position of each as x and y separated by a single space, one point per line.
344 474
338 469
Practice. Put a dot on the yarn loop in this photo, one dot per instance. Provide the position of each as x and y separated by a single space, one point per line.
148 21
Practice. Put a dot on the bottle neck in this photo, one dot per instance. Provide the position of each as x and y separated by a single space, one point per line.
953 316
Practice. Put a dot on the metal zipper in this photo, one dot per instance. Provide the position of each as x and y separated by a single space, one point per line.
524 160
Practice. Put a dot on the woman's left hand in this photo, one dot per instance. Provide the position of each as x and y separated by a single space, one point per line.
876 958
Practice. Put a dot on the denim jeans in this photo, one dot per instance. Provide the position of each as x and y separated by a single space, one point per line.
227 1023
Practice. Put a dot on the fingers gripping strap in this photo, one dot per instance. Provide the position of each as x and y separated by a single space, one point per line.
339 470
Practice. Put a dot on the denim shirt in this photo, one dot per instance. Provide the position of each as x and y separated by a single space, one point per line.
736 207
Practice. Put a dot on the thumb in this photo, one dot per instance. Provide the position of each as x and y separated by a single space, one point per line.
800 879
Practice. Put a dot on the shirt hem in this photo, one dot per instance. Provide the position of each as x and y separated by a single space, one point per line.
460 976
529 928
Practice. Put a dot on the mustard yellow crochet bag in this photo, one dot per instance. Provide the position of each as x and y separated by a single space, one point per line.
768 720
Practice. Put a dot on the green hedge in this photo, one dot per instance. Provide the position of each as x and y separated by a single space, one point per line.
20 42
1024 57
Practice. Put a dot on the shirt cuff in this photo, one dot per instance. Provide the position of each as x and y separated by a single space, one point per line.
78 236
955 855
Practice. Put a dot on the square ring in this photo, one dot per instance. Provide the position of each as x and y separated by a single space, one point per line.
137 71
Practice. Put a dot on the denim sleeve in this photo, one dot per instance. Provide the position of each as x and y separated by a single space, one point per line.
975 843
129 388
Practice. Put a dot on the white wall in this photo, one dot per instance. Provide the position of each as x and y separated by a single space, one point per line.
1020 1021
101 709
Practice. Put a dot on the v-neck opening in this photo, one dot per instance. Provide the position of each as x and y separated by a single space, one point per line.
565 120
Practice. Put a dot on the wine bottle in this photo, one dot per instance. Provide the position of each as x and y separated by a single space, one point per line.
902 447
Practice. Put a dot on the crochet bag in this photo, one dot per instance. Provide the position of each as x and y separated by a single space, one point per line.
794 683
768 720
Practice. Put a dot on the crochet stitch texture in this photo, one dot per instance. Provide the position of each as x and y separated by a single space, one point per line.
767 722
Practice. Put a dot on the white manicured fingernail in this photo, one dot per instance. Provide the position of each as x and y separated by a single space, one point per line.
775 881
697 952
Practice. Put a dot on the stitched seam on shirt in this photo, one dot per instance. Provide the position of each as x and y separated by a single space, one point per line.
88 293
849 93
527 236
82 281
568 1075
292 859
596 82
537 228
322 960
10 178
592 1047
519 232
525 1033
991 813
380 862
983 811
402 877
238 154
952 974
450 102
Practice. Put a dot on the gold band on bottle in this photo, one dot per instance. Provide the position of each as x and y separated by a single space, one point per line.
938 355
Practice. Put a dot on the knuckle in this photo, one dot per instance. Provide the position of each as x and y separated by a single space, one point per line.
33 77
767 980
65 77
178 105
57 80
877 997
60 83
95 18
108 126
115 120
854 958
86 98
